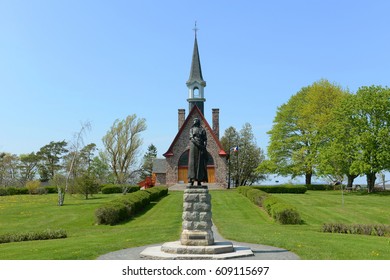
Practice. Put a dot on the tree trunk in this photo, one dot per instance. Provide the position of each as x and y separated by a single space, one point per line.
308 178
351 178
371 181
61 197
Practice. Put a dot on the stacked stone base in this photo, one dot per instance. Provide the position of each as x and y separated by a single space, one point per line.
197 238
197 218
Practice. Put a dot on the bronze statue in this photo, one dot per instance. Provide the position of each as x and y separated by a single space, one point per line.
198 157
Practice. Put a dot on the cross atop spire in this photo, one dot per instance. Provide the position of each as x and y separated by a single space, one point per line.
195 29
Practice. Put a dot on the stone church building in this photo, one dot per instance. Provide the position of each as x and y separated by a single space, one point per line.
174 168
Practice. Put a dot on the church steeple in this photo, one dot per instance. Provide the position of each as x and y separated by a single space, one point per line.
195 83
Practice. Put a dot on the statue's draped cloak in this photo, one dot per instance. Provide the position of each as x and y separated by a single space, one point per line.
198 157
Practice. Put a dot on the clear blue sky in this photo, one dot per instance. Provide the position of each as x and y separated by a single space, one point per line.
69 61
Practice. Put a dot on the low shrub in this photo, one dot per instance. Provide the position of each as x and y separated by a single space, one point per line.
285 214
157 192
376 230
243 190
112 213
256 196
29 236
51 189
33 186
12 191
298 189
324 187
126 206
269 202
3 191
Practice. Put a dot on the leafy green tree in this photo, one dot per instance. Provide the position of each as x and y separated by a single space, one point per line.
337 155
122 143
28 167
367 119
50 159
244 155
9 169
300 129
100 169
147 165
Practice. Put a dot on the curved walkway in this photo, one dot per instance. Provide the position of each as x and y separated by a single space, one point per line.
261 252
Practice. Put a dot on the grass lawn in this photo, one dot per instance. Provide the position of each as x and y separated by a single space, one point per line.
237 220
85 240
234 215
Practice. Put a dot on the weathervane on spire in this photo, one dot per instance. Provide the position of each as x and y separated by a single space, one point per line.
195 28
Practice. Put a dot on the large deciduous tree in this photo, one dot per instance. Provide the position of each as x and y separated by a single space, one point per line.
337 155
9 169
28 167
122 143
367 120
300 129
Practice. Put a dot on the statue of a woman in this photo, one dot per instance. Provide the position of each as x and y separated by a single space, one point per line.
198 157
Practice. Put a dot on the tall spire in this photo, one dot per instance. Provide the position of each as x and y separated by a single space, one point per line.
196 69
195 83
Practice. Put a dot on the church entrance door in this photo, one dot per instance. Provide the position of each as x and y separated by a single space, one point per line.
183 168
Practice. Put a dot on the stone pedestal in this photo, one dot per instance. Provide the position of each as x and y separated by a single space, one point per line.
197 238
197 218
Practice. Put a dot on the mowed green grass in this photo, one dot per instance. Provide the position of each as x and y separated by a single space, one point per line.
234 215
85 240
239 221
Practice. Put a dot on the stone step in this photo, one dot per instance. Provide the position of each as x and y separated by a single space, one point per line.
217 248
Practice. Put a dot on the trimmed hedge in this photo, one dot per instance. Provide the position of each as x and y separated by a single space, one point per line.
123 208
322 187
4 191
376 230
13 191
157 192
256 196
112 188
299 189
275 207
29 236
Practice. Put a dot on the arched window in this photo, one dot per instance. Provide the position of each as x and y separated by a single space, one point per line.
196 92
